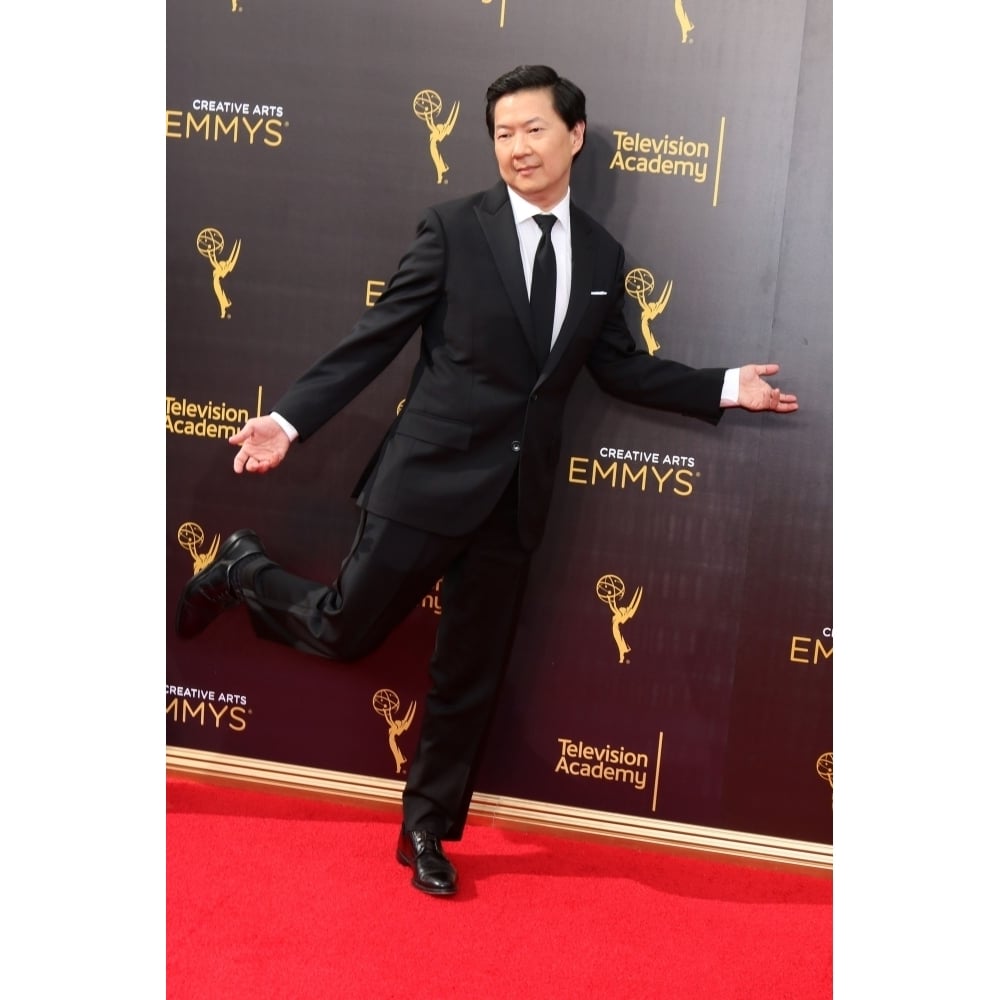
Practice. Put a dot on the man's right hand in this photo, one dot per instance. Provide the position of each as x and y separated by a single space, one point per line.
262 443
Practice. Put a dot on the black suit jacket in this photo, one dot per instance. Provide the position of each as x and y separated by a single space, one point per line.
478 409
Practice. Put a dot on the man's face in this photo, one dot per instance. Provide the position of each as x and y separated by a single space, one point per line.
533 146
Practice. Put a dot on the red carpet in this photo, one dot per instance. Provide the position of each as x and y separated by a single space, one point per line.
273 896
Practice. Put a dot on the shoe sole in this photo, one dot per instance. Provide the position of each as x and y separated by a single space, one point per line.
182 604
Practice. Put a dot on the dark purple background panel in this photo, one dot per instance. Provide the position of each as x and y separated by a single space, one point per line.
721 706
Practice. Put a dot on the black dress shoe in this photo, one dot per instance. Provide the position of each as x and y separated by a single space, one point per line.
208 593
432 871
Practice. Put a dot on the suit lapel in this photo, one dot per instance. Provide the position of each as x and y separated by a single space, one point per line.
497 222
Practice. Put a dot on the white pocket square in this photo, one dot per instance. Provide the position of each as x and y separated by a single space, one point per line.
598 293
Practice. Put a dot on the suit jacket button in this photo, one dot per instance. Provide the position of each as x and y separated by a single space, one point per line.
515 446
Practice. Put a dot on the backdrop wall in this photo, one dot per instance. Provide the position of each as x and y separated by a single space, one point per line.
303 141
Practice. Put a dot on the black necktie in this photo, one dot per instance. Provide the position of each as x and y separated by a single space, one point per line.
543 289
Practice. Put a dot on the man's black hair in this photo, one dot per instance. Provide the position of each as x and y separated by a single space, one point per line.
568 99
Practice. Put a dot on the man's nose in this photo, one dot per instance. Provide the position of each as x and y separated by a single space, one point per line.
522 146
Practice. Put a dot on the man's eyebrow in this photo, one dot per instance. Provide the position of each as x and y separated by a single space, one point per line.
527 121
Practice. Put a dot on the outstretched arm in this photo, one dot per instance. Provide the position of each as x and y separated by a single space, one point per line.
756 394
262 443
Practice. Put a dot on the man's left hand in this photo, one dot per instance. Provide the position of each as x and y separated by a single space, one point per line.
756 394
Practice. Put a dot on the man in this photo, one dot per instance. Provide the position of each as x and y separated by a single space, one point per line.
460 486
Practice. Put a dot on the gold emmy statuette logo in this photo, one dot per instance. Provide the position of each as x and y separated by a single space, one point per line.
191 536
639 283
824 768
210 244
609 589
685 22
426 105
386 702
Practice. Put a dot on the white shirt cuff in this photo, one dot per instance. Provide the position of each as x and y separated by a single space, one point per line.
285 425
731 388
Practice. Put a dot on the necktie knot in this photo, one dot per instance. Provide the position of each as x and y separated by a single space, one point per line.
546 222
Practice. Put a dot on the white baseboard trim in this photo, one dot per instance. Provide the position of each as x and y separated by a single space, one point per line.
503 811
